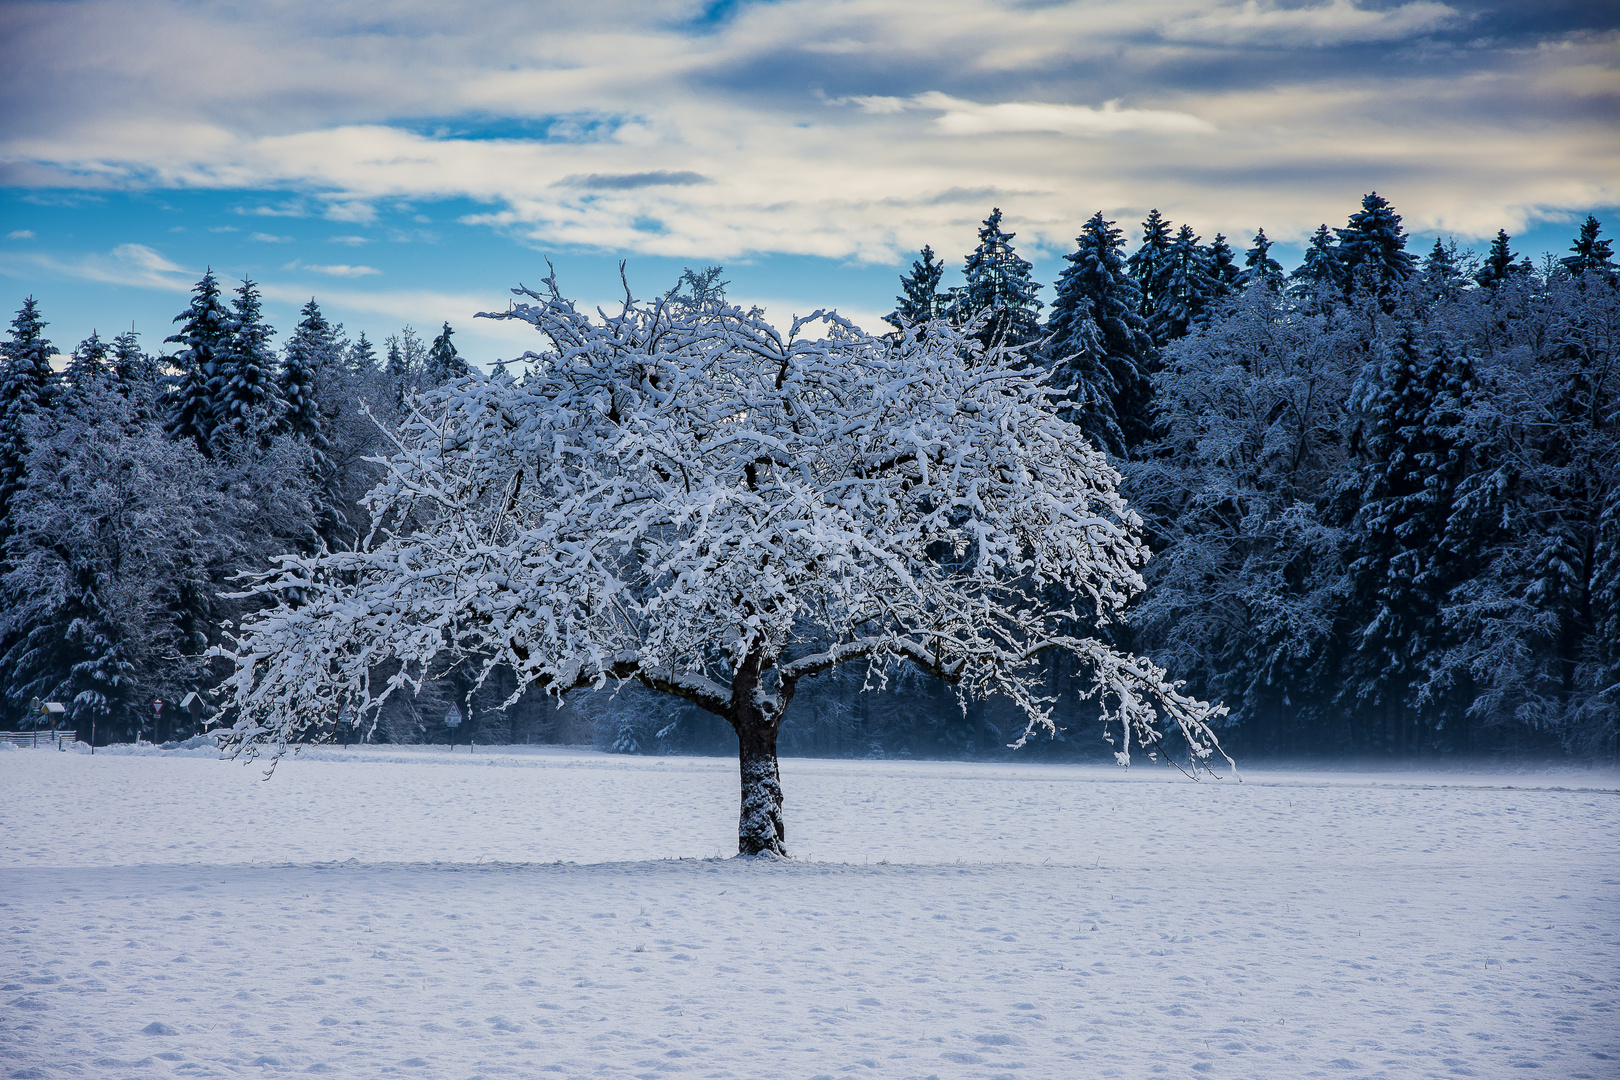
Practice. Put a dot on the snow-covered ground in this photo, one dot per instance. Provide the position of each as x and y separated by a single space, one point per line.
408 912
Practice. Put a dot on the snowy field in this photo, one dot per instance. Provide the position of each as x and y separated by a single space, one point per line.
405 912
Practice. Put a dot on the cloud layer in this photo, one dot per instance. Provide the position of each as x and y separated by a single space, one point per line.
848 128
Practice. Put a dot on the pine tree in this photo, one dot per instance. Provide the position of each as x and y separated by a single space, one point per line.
362 357
1183 288
1259 266
247 405
1321 269
1372 250
1145 261
1411 405
999 282
444 364
1500 265
1442 275
26 380
1223 271
205 336
1097 341
920 300
1591 255
131 366
89 363
313 345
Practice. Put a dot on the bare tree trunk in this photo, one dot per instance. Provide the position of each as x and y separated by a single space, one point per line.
759 824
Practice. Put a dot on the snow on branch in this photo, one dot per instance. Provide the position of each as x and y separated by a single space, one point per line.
671 494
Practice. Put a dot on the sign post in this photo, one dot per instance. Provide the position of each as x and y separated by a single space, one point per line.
452 720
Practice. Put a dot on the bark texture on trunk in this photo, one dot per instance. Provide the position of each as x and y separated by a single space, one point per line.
759 824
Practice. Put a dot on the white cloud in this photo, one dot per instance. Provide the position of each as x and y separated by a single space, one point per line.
1111 104
351 241
126 264
1335 23
269 238
343 270
20 234
971 118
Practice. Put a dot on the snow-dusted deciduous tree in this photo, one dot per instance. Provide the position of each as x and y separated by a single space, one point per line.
718 510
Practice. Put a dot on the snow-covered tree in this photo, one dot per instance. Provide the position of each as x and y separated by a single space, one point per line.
1372 250
247 403
1145 261
26 379
1182 287
204 337
1500 262
1259 266
998 281
1097 342
719 510
1320 270
444 364
1592 254
920 298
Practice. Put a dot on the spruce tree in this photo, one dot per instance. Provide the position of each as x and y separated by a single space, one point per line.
131 366
1500 263
312 346
247 405
204 337
1372 250
1415 456
444 364
1183 288
1591 254
1321 269
89 364
362 357
999 282
26 380
1097 342
1259 266
1224 274
1442 276
1145 261
920 300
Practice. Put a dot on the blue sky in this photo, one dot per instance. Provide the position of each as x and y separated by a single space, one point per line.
409 162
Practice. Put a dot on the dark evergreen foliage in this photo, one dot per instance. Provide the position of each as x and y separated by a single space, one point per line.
444 364
1097 341
1499 265
1592 255
1321 271
1183 287
247 405
204 337
999 283
1259 266
1372 251
920 300
1145 261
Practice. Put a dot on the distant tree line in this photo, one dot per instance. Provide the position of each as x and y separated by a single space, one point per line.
1382 489
1383 492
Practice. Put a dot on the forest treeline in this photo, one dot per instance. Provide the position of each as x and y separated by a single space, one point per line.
1381 490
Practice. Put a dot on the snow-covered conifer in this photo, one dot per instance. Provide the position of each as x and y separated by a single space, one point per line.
1145 260
247 403
1592 254
1500 263
999 282
719 510
204 338
1097 341
1182 287
1372 250
1320 270
920 299
1259 266
444 364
